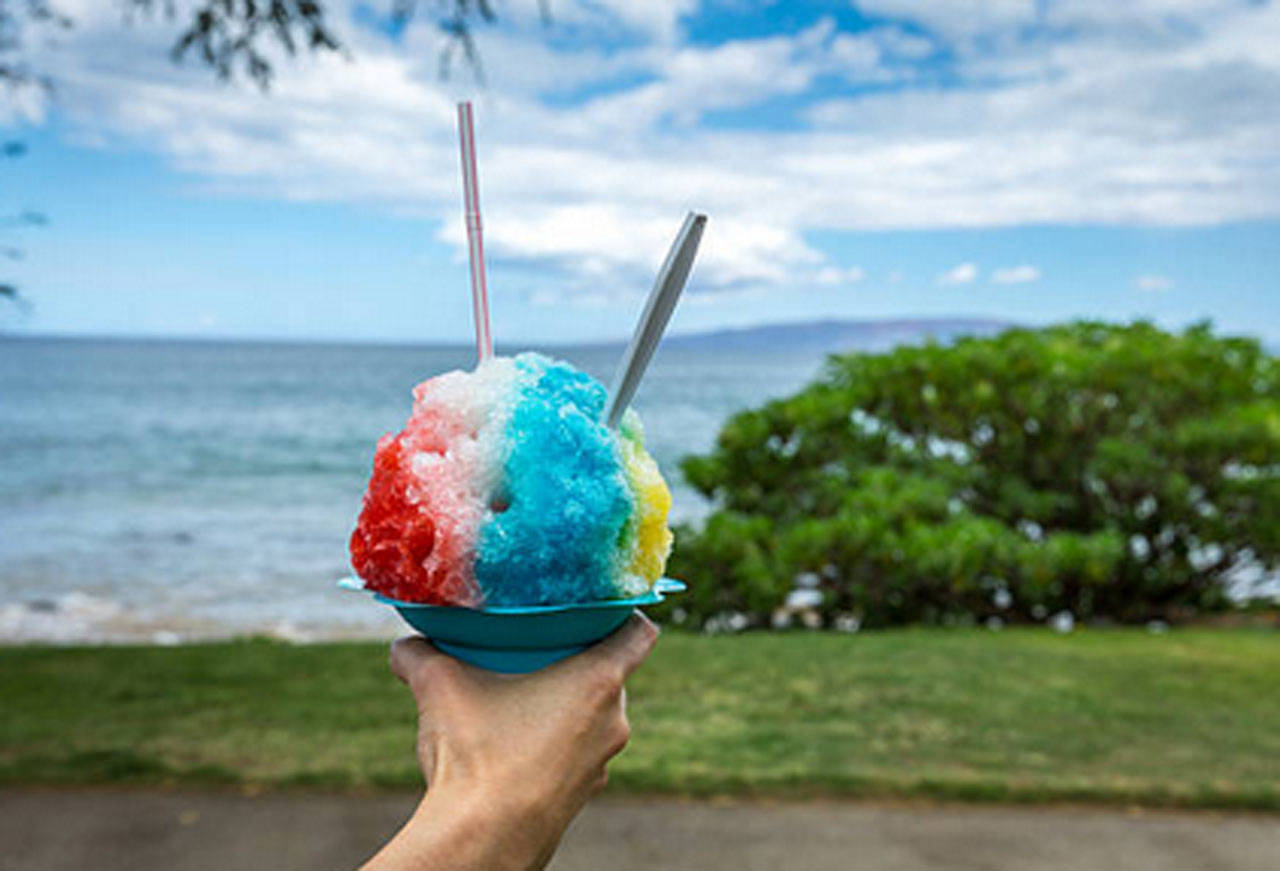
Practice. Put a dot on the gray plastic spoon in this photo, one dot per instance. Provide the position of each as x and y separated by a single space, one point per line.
653 321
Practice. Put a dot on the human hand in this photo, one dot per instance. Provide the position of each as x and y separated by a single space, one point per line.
509 760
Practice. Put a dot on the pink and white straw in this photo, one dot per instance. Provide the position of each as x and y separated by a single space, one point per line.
475 237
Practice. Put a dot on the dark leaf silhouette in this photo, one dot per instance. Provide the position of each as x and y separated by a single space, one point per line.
15 17
10 295
24 219
233 37
229 35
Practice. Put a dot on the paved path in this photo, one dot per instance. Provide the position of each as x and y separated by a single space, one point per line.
110 830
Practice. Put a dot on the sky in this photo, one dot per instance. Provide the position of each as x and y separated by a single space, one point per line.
1030 160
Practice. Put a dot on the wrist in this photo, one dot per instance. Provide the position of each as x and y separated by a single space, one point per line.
465 828
505 830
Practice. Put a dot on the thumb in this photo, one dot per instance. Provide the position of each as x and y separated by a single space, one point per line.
628 646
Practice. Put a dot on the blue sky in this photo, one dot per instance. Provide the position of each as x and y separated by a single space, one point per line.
1021 159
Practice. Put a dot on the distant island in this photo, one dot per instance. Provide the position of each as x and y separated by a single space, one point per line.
836 335
806 337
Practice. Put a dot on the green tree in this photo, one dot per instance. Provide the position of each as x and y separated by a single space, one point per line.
1112 471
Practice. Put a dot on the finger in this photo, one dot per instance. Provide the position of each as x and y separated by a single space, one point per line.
629 645
411 656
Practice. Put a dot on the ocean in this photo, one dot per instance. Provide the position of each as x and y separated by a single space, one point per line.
161 491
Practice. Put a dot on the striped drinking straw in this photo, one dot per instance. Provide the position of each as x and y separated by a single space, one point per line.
475 239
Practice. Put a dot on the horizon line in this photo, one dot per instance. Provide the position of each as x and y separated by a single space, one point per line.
22 335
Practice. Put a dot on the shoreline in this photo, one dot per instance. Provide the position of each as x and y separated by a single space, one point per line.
162 634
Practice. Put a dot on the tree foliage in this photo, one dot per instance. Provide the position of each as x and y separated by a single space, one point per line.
17 19
1115 472
238 37
10 297
228 35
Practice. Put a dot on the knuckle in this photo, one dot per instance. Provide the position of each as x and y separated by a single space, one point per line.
439 673
648 632
398 658
606 683
437 667
619 735
420 668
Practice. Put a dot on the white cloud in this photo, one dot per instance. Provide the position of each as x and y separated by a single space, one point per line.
899 43
1023 274
1146 14
656 18
961 273
1152 283
961 20
954 16
1158 124
832 276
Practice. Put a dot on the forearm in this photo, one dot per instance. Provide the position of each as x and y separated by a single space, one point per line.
466 832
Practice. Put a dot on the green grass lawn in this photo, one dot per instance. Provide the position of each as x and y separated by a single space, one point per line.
1190 718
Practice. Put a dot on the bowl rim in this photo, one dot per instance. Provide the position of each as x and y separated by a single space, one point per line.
661 588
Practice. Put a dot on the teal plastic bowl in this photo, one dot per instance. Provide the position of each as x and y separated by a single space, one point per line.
517 640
